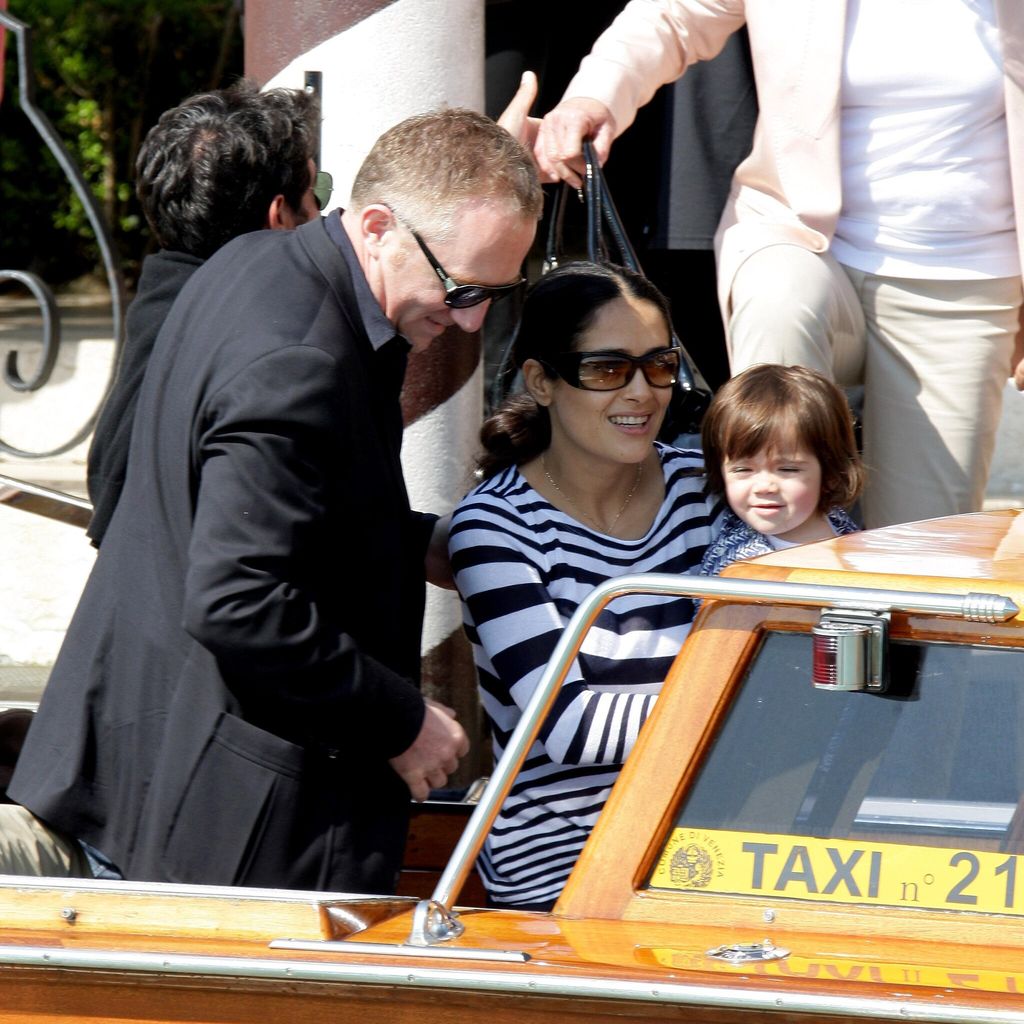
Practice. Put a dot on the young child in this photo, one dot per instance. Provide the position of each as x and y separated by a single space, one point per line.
779 445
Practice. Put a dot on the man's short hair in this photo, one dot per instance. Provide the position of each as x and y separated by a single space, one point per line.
210 168
428 165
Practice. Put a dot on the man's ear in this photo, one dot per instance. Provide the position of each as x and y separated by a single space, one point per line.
375 223
280 216
537 382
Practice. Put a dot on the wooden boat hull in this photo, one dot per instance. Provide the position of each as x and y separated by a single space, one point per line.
631 936
162 995
105 951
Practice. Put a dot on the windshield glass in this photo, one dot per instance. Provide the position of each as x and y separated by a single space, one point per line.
908 798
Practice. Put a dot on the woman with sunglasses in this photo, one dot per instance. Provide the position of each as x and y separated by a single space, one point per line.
576 490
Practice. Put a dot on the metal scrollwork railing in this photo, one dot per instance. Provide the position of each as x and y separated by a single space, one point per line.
13 376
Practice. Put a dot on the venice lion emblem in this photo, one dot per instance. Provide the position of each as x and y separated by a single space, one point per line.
691 867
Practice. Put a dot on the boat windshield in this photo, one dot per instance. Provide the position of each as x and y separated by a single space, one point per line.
910 798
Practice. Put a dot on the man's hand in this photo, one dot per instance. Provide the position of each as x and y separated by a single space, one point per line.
559 146
435 752
437 564
515 118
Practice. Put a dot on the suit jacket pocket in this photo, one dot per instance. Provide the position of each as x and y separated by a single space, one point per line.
242 777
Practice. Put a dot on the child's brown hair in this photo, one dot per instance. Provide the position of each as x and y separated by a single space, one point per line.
770 406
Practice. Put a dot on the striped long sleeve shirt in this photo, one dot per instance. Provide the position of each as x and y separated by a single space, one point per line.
522 567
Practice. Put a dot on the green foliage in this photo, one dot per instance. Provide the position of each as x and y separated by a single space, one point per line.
104 72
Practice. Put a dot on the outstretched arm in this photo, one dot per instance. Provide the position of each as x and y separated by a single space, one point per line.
434 754
649 44
516 622
559 146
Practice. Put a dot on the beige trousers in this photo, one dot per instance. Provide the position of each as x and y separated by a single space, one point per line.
28 847
933 357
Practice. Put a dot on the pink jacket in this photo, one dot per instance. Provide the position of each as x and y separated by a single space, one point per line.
788 189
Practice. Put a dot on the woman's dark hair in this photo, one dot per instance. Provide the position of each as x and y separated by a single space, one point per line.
769 406
558 309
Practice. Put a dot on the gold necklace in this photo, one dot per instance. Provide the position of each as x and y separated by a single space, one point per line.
586 515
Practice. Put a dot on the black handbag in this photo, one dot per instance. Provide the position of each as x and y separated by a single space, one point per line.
607 242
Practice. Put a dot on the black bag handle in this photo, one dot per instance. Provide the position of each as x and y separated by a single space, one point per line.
601 215
607 242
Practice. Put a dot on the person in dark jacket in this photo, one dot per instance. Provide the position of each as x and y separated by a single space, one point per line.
218 165
236 699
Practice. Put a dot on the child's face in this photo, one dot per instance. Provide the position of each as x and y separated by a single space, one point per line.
776 492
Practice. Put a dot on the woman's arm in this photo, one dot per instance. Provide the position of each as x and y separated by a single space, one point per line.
515 623
649 44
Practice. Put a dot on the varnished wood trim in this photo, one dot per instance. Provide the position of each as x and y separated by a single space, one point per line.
643 802
609 878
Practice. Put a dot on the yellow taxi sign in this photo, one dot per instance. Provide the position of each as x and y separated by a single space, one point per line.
840 871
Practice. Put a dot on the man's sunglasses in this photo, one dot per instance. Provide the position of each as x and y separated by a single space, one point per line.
322 189
462 296
610 371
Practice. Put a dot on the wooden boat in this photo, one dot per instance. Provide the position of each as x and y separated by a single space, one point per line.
822 821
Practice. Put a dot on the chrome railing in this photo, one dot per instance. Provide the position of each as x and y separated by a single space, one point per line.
44 501
434 920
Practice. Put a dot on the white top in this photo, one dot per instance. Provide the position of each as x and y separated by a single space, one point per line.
522 568
779 544
926 176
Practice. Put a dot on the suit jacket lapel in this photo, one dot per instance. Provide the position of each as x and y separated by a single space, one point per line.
385 369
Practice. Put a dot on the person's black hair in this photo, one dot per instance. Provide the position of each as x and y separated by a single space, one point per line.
557 310
210 167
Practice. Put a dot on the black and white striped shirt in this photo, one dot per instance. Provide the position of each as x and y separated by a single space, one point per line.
522 567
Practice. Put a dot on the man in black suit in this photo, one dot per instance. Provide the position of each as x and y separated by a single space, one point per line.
236 699
216 166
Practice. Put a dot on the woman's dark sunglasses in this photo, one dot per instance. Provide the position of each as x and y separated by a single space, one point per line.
610 371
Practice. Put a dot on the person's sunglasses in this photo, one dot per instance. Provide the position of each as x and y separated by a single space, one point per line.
610 371
323 189
462 296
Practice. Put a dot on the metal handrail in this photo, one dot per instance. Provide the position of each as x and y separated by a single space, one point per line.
45 501
40 290
434 920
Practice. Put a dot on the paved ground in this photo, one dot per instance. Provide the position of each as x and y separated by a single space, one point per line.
21 684
46 419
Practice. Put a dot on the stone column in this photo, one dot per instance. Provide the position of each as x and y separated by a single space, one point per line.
377 62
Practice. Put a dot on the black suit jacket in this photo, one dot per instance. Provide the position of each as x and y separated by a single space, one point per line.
241 665
164 274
